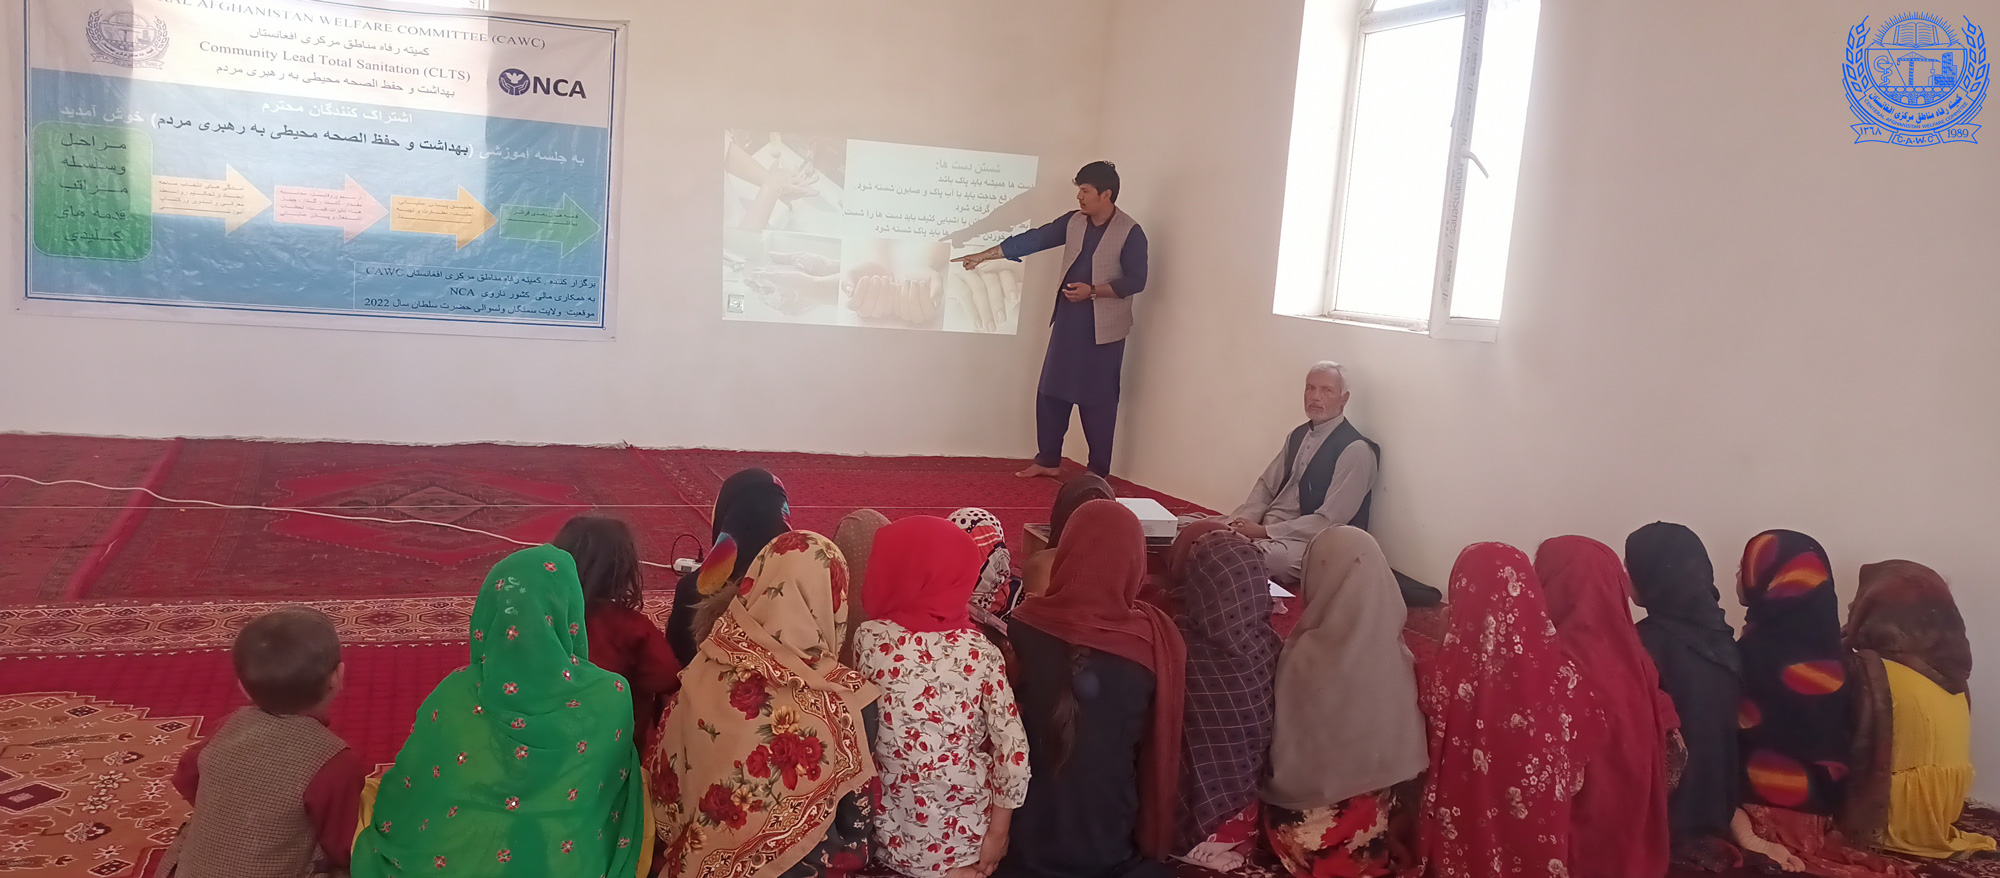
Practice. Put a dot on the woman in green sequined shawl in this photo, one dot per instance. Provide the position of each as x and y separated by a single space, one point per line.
521 761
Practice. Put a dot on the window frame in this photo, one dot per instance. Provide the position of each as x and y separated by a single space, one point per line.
1439 323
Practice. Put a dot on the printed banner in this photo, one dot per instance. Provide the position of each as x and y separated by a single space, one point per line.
321 164
860 233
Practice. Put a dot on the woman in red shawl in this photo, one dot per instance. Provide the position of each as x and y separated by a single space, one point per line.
1511 727
1100 694
1620 822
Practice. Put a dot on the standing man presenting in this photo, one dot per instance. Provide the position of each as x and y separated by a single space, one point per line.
1104 266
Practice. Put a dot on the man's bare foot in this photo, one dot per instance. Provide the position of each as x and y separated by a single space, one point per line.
1036 470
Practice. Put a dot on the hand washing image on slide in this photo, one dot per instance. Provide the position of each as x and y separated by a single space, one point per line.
782 182
893 283
781 277
860 233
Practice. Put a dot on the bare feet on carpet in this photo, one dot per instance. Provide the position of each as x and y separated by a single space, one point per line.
1215 856
1036 470
1747 838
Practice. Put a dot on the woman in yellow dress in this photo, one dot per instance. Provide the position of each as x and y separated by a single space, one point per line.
1914 720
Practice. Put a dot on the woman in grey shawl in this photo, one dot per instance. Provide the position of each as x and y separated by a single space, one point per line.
1348 729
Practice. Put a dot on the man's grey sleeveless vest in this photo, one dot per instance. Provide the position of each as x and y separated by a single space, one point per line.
1113 313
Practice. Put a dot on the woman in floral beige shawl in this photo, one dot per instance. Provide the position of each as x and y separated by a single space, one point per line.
764 762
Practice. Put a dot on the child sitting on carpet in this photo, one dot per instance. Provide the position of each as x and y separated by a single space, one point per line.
623 639
275 793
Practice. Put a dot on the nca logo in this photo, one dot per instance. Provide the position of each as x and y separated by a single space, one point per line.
516 81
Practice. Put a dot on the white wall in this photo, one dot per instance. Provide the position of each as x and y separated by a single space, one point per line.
1017 76
1720 311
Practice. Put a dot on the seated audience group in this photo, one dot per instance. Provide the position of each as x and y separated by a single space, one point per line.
899 698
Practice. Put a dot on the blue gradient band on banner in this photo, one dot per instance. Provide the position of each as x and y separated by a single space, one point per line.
539 172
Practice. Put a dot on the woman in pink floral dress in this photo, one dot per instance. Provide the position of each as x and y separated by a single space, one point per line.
952 754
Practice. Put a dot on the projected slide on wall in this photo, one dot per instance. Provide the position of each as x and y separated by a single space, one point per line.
839 232
321 164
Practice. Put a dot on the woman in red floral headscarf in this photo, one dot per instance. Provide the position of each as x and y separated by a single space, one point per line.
764 767
1511 727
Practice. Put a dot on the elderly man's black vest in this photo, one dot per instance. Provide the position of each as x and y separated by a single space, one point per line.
1319 471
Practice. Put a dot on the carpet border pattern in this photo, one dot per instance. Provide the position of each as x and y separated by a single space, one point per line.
177 626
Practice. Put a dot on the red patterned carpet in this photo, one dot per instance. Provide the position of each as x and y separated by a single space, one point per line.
75 543
101 699
1977 819
51 537
98 700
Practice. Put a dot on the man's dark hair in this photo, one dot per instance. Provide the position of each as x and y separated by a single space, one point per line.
607 559
1102 176
285 657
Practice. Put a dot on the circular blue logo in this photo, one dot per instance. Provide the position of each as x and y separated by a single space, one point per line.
1916 80
514 81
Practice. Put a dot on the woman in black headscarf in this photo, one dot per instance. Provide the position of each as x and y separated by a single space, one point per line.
750 510
1692 645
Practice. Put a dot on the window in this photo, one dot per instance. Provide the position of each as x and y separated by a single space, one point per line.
1420 198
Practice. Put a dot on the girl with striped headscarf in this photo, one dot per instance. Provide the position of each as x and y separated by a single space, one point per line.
1797 713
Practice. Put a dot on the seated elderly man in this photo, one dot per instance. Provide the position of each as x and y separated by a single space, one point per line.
1322 478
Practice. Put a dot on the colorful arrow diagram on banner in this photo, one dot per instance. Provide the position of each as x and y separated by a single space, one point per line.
350 209
567 225
231 199
464 218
